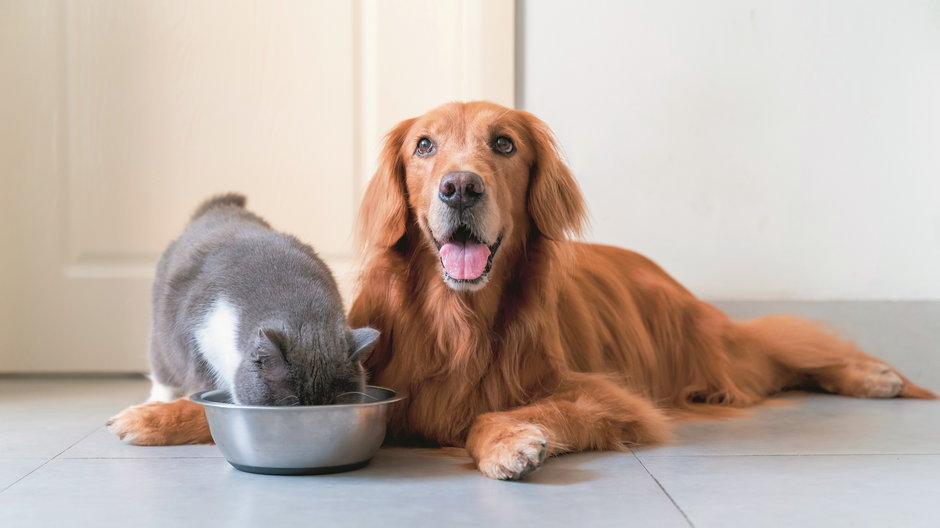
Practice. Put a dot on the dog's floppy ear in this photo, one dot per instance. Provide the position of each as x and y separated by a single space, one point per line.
554 202
384 209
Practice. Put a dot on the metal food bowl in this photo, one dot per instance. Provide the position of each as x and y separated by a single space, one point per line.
299 440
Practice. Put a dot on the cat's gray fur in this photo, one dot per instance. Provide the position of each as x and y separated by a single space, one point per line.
294 344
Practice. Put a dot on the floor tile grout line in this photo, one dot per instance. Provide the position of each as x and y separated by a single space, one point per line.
658 483
743 455
70 446
35 469
143 458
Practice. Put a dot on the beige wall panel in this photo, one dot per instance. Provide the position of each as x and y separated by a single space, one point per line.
174 101
29 149
418 54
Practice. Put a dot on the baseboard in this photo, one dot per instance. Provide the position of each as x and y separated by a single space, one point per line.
905 333
94 375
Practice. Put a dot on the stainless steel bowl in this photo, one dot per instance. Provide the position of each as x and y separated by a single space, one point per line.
297 440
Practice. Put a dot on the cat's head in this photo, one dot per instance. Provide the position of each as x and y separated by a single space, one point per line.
316 367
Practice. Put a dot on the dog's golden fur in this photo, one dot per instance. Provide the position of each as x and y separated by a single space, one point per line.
563 346
569 345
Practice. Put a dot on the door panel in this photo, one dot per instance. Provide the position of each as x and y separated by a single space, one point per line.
178 102
122 116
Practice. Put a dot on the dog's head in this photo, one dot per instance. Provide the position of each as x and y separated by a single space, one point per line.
472 180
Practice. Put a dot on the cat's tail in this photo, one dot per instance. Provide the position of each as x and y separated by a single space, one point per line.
221 200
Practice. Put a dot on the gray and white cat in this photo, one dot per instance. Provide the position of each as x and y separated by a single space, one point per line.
239 306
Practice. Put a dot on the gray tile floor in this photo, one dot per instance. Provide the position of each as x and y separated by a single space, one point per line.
812 460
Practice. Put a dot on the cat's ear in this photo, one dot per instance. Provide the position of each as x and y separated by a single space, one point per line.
363 343
269 354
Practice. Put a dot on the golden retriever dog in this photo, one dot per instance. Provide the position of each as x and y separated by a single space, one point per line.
518 342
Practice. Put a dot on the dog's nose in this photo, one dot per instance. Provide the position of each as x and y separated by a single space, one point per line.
461 189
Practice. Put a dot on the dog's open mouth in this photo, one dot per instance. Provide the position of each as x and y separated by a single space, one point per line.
465 257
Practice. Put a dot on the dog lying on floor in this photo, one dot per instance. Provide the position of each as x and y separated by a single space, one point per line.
518 342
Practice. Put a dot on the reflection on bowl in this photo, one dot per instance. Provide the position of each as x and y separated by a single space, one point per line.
299 440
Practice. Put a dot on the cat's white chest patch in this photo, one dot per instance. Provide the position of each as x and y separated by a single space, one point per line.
217 340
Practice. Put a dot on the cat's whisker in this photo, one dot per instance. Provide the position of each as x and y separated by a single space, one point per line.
288 401
373 398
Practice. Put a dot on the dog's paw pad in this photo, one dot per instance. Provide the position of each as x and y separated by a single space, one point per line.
135 425
515 455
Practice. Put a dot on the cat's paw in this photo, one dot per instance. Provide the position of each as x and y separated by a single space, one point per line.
513 454
162 423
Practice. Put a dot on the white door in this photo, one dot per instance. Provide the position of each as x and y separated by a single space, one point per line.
119 117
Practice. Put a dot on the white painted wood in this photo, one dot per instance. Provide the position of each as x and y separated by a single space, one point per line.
119 117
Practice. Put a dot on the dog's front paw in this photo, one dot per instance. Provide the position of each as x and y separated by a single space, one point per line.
138 425
162 423
512 452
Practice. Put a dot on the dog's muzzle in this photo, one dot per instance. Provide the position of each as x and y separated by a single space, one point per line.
465 251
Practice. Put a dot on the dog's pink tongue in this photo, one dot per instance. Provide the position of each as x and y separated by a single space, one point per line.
464 260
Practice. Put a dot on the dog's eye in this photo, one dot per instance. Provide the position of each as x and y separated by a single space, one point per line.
425 147
504 145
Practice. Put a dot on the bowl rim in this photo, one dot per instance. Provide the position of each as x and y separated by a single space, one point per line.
199 397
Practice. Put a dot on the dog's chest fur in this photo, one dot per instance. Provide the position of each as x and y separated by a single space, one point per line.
458 376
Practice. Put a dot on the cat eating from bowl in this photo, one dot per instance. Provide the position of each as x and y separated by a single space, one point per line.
241 307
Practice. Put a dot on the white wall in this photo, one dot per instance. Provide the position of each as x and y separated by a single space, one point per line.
755 149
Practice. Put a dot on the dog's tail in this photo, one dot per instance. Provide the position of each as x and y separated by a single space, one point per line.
221 200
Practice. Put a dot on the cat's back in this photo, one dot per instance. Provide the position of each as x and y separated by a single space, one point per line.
228 250
216 223
266 272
